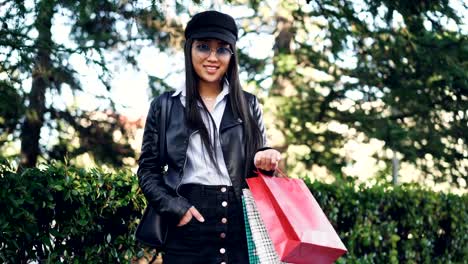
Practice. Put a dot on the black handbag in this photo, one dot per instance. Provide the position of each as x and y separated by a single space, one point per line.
152 229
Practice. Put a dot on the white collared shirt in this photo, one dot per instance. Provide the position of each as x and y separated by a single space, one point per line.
199 168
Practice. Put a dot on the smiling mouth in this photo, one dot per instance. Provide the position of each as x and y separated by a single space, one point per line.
211 69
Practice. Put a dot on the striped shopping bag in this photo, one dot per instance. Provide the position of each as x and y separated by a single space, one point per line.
253 257
260 245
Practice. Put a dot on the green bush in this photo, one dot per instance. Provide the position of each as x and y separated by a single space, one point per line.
403 224
70 215
60 214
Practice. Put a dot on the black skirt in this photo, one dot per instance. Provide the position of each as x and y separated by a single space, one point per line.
220 239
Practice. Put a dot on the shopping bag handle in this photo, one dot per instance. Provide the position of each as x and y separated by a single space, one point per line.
281 173
277 170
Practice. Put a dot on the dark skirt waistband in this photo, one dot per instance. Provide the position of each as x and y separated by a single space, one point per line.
192 188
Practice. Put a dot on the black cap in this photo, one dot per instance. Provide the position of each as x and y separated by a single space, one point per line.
212 24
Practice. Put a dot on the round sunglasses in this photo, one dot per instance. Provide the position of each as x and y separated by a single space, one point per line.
222 53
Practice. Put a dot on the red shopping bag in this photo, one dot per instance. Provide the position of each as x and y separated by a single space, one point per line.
298 227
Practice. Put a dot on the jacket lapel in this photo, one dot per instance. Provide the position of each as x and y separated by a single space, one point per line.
229 119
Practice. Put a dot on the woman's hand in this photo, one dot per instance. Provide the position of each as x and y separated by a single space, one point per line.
191 212
267 159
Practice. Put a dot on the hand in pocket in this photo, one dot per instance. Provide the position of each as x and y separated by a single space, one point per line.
191 212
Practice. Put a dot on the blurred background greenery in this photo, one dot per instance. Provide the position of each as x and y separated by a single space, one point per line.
367 93
375 90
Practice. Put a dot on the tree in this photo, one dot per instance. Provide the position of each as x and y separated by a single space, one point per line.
406 84
337 65
11 110
28 50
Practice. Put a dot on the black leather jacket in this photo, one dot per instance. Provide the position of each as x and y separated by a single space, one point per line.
160 186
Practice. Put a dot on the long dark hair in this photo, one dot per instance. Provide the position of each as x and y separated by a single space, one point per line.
238 103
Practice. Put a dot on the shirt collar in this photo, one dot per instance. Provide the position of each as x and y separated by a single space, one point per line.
179 90
225 90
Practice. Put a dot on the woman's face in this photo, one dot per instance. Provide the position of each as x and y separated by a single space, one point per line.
210 59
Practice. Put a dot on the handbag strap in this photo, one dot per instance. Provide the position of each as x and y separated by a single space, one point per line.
162 131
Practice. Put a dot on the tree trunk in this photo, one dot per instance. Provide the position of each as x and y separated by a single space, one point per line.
282 45
395 167
34 120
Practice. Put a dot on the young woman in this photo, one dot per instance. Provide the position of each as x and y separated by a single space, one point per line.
214 138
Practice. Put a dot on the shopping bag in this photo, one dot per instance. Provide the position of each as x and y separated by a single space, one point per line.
260 246
299 229
253 256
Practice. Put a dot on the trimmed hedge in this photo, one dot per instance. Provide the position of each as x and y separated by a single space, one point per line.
69 215
403 224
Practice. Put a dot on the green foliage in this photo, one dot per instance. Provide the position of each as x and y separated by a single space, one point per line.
402 224
395 71
29 50
69 215
11 110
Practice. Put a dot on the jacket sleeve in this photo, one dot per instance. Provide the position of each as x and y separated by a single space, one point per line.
258 116
151 170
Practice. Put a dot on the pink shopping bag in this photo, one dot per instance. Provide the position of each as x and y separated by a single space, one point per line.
300 231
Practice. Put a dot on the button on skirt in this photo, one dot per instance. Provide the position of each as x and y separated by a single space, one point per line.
220 239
